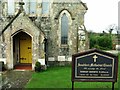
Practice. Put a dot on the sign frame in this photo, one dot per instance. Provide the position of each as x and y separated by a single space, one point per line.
88 79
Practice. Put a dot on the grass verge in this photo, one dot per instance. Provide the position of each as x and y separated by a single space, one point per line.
60 77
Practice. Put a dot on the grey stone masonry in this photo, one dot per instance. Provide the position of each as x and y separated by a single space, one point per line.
45 30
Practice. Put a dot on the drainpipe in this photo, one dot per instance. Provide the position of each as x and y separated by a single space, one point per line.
46 50
77 40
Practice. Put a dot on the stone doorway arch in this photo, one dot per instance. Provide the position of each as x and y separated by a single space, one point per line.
22 49
23 24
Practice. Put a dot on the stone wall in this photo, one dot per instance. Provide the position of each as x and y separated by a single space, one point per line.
49 27
75 13
24 24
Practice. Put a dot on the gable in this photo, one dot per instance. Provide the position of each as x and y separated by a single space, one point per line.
23 22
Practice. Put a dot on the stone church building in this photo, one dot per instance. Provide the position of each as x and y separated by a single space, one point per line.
49 31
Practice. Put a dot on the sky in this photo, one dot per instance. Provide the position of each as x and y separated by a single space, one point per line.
101 14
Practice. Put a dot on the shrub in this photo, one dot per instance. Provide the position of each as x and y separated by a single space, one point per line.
37 66
100 41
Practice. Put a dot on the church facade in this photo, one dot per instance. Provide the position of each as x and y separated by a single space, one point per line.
49 31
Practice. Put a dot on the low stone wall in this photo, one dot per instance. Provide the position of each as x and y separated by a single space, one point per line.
59 63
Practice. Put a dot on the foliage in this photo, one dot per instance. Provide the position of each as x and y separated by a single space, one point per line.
37 66
100 41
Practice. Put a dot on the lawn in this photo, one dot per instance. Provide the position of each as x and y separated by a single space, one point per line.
60 77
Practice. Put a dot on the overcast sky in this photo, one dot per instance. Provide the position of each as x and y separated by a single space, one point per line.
101 14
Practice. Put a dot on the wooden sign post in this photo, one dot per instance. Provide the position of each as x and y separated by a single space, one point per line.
94 66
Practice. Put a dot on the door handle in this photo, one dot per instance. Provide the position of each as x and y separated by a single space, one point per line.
29 47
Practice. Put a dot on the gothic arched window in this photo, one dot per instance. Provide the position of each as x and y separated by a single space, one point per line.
45 6
11 8
64 29
32 6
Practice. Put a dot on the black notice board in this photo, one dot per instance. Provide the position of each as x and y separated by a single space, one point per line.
94 65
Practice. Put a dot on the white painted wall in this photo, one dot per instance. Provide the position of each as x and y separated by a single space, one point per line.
61 58
69 59
3 59
42 61
51 59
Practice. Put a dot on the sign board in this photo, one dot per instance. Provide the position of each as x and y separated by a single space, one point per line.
94 65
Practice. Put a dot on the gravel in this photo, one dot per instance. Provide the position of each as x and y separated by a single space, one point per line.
14 79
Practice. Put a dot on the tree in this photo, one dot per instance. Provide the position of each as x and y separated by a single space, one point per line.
111 28
100 41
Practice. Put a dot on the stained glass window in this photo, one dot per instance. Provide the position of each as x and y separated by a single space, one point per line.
64 29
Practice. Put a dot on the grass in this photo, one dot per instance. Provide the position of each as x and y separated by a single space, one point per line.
60 77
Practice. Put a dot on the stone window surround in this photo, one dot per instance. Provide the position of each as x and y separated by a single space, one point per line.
69 25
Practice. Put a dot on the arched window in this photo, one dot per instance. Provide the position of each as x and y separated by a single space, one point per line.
64 29
32 6
26 6
11 8
45 6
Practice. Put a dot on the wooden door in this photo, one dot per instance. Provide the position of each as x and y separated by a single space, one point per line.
25 48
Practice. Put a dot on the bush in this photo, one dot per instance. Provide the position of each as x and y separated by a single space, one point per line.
99 41
37 66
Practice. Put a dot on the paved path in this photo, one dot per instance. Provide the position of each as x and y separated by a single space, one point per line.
15 79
